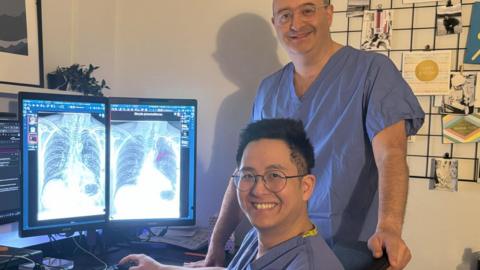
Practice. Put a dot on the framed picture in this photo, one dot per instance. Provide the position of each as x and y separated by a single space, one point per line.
21 59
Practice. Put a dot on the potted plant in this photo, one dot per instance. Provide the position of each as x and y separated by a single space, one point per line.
77 78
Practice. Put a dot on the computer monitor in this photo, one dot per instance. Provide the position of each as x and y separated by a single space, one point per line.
9 168
152 162
64 163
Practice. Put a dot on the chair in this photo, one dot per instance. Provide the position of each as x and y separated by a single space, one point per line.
357 256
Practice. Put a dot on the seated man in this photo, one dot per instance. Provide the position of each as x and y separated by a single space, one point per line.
274 183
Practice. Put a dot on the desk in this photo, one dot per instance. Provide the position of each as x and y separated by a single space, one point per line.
163 253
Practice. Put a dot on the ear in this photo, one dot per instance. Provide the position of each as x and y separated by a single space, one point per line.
308 184
329 10
273 21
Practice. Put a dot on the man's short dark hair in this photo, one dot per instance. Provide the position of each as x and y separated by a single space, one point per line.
288 130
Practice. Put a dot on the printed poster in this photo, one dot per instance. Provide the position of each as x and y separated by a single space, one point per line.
376 30
472 54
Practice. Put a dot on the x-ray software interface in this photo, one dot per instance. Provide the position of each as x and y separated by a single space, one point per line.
149 145
65 160
9 171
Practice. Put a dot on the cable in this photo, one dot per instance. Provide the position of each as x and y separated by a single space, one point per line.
89 253
9 260
35 264
16 256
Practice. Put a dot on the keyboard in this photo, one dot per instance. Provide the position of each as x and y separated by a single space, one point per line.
197 241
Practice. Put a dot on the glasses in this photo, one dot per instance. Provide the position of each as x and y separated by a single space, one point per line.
275 181
285 16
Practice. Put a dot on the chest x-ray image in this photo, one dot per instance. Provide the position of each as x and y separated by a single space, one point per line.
71 165
145 169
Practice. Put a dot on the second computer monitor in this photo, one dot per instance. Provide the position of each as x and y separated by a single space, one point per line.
152 161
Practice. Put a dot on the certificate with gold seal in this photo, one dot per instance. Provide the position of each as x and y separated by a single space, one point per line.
427 72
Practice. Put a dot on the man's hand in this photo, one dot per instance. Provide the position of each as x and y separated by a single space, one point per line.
398 253
143 262
215 257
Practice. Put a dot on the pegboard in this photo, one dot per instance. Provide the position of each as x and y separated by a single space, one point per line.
413 28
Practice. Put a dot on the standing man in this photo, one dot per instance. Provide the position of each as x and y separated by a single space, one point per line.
357 111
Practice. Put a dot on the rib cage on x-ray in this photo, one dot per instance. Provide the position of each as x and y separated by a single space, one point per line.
56 154
145 156
71 158
130 159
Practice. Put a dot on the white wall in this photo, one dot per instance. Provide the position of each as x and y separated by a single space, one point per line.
442 228
214 51
217 52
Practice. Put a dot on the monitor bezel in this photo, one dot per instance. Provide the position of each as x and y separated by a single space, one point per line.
9 118
62 228
139 223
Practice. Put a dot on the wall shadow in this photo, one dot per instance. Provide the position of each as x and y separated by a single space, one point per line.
470 260
245 53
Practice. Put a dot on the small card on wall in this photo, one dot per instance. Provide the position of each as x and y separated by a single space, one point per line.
417 1
461 128
355 8
472 53
445 174
377 30
449 20
427 72
463 96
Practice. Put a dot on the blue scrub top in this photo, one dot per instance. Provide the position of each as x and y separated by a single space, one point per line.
356 95
298 253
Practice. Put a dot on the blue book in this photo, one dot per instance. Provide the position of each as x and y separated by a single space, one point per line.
472 54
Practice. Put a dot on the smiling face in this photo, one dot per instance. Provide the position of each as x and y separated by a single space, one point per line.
283 211
303 35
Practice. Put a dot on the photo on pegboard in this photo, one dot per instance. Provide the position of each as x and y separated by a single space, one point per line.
472 53
427 72
415 1
355 8
445 174
462 97
461 128
377 30
449 20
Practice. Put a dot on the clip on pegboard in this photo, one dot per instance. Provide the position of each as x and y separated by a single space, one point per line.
461 70
449 3
427 47
446 156
379 8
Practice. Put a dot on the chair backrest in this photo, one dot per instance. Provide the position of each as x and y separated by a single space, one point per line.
357 256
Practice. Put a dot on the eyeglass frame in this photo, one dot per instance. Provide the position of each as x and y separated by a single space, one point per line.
292 13
256 176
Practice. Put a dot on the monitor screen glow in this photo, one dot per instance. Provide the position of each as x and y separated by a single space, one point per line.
152 161
64 166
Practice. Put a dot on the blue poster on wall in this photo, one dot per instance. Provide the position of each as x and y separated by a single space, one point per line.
472 54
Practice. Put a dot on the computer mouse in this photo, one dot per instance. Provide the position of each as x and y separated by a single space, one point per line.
124 266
